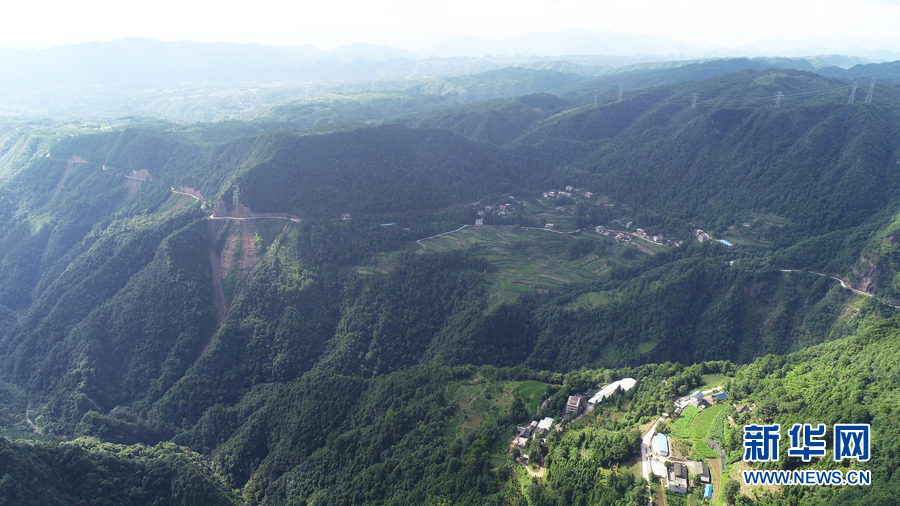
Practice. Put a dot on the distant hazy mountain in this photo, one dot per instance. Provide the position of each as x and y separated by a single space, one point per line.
882 72
202 82
369 52
573 41
877 49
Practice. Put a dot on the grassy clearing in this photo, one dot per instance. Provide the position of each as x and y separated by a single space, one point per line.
711 381
590 300
770 219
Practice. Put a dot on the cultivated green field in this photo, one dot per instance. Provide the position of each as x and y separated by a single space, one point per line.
527 259
681 429
544 212
702 422
531 393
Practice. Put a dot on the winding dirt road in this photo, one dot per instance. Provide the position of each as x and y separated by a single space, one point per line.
843 284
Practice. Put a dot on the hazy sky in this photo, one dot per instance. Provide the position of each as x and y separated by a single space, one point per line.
418 24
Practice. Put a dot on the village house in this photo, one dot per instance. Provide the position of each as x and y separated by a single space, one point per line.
700 469
479 222
696 399
588 195
548 226
543 428
573 405
345 216
522 435
678 476
569 188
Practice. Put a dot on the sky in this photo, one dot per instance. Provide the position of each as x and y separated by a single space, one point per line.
417 24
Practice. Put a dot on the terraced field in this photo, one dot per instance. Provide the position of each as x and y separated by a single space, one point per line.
540 209
526 259
531 392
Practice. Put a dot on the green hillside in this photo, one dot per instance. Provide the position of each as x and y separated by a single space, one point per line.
312 316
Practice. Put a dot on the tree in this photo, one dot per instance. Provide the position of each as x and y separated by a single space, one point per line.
535 492
518 411
730 491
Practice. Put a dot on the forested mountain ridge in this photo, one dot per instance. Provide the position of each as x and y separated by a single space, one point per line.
199 284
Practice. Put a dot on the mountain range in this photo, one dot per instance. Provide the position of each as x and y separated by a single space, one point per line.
358 296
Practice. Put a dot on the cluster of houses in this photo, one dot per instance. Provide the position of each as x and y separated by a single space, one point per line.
703 237
534 430
575 402
626 237
657 238
552 194
677 472
618 236
698 400
502 212
574 406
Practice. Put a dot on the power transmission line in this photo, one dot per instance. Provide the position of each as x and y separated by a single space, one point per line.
871 89
852 94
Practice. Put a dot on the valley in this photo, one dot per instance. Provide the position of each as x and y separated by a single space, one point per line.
359 298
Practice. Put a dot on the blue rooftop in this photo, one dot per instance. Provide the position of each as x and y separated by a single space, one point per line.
662 443
708 491
720 395
726 243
